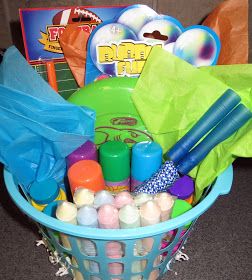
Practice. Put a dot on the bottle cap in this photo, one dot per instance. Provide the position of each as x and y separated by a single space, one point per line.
51 208
115 161
146 160
182 188
86 174
86 151
44 192
179 208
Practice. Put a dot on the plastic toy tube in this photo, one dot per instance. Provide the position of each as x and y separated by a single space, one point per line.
210 119
169 172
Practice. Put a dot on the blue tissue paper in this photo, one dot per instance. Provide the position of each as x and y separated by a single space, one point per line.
38 127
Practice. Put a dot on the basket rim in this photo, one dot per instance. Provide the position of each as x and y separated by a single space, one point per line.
221 186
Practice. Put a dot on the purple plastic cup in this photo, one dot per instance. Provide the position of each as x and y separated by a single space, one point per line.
183 188
86 151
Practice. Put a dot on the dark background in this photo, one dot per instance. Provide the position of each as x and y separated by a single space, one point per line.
220 245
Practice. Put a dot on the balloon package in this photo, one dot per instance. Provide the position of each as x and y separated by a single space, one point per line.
120 47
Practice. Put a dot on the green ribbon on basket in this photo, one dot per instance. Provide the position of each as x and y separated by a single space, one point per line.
171 95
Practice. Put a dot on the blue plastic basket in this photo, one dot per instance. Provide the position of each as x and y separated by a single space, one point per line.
80 268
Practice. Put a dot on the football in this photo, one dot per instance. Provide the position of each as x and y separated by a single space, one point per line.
74 15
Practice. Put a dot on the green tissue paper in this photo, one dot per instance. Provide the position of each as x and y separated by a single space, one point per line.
171 95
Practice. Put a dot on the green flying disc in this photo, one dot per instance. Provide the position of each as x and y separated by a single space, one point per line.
116 116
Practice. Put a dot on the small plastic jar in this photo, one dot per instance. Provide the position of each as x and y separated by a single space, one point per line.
45 192
183 189
86 174
86 151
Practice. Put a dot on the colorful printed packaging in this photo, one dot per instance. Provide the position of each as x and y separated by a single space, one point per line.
41 27
120 47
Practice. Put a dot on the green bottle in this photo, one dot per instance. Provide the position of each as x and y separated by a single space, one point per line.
114 157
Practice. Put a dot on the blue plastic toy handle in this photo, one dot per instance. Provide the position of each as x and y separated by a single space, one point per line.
211 118
232 122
